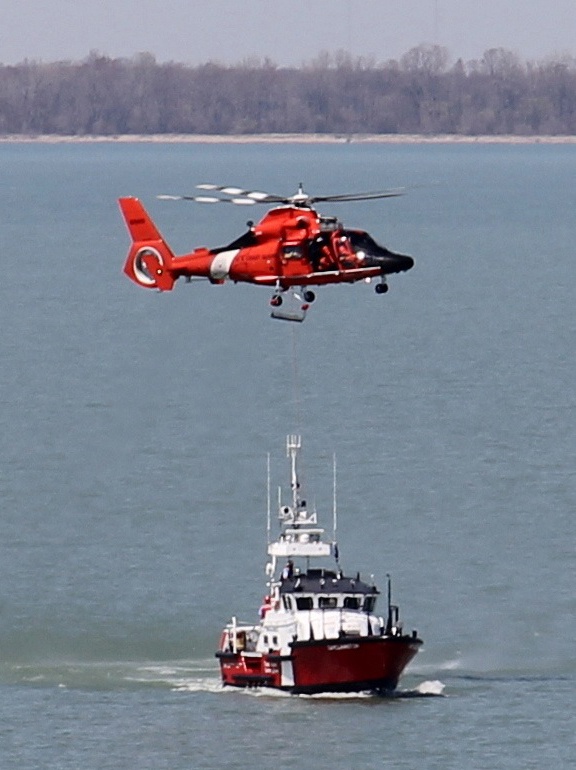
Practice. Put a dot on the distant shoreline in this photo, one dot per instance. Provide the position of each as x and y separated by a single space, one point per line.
286 139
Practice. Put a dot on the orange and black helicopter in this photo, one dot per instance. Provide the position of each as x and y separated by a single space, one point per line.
291 247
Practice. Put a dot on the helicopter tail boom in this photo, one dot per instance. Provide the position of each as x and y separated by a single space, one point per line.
150 258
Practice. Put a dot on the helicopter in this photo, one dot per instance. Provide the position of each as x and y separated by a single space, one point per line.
291 247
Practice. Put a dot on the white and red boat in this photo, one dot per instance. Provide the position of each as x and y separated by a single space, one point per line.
318 630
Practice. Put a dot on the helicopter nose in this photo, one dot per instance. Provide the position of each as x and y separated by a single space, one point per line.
403 262
393 263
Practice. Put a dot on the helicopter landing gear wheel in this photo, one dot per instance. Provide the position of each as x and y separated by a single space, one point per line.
276 300
309 296
381 288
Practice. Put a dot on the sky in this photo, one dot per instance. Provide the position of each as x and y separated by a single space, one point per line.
288 33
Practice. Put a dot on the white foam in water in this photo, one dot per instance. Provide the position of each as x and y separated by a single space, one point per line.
196 676
434 687
198 685
270 692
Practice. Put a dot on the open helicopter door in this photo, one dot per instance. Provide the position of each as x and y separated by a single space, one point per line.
296 311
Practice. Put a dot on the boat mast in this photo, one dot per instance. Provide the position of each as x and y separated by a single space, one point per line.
300 536
268 512
293 444
334 515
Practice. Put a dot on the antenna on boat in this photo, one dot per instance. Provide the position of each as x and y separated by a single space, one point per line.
392 620
268 513
334 514
335 551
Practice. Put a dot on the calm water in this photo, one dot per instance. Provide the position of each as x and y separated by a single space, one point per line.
133 441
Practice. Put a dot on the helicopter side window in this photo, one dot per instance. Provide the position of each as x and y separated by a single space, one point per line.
292 252
328 224
304 603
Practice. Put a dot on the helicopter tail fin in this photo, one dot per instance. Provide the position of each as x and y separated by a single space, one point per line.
150 258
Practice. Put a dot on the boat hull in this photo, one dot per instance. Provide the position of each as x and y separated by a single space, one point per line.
348 664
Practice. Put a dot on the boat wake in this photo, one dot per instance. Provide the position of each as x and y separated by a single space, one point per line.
428 689
187 676
180 677
195 676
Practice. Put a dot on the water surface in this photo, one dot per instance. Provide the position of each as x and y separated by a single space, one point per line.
133 441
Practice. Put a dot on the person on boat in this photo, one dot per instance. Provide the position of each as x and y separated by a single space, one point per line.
288 570
267 605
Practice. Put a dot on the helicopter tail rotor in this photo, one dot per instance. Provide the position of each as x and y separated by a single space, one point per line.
150 258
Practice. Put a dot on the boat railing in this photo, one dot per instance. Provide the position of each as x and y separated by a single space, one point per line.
242 636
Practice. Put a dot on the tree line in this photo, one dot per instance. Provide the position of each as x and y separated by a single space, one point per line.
420 93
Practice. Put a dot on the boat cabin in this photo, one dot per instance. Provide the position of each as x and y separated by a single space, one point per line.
326 590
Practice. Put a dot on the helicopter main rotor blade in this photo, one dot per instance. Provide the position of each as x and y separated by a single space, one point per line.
207 199
256 196
364 196
241 197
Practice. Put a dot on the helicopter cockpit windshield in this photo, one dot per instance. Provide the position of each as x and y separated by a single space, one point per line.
361 241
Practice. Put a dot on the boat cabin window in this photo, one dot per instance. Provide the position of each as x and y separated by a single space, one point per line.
369 603
351 602
304 602
327 602
300 537
287 602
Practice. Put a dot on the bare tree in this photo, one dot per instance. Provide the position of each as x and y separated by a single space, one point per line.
334 93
